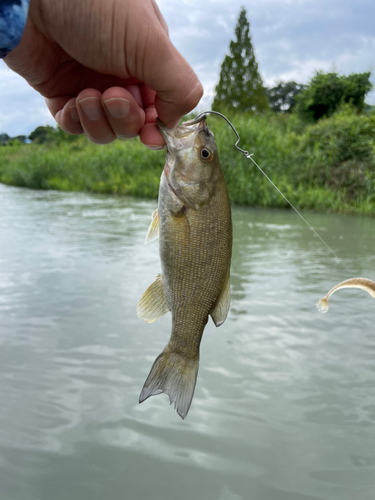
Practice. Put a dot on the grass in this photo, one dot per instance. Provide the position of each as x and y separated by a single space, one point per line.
329 166
122 168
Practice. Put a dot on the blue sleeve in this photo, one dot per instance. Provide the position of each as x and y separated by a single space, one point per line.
13 15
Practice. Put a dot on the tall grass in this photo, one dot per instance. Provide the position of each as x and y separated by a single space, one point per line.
329 166
123 168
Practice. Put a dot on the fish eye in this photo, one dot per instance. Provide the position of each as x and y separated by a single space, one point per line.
206 154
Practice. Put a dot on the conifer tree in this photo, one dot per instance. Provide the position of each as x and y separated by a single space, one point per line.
240 85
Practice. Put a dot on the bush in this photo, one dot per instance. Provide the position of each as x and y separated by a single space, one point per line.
339 153
327 92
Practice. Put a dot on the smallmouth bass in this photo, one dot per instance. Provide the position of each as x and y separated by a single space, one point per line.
194 226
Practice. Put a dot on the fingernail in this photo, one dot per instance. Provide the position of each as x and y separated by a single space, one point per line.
92 108
117 107
74 114
154 146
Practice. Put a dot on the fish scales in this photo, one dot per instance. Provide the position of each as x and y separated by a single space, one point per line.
195 244
201 243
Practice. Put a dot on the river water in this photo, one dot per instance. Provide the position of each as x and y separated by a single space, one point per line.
284 407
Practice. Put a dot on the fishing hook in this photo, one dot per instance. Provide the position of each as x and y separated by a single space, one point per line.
205 113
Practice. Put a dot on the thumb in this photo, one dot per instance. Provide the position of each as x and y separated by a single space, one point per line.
178 89
179 95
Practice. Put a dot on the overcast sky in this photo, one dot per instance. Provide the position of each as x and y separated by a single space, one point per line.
292 40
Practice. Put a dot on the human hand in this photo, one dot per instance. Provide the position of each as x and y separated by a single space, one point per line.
106 68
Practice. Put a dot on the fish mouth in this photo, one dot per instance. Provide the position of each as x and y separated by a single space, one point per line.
167 133
174 136
196 121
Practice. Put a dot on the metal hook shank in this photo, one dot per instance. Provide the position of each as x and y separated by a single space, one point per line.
202 115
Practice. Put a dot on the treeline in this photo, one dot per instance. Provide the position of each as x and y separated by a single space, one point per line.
316 142
41 135
327 166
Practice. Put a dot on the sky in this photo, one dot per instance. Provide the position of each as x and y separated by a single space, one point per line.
292 40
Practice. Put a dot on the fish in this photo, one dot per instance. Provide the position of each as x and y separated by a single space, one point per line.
362 283
194 226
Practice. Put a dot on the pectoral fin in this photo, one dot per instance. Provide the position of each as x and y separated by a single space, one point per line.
220 311
153 230
153 303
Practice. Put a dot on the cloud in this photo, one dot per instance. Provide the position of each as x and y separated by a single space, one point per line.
22 109
292 40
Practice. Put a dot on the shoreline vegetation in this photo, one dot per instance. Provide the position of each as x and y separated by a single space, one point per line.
328 166
316 142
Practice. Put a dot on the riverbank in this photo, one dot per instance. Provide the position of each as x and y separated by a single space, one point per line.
329 166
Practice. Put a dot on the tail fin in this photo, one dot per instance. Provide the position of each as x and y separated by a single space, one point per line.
174 375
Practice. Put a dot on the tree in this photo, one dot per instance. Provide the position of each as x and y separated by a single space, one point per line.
326 92
20 138
48 134
282 98
4 138
240 85
42 134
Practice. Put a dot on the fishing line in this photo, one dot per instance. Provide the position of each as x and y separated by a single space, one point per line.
250 157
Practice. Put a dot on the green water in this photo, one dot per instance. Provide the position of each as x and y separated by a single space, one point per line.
284 407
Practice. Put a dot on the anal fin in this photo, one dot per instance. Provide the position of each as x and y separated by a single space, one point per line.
220 311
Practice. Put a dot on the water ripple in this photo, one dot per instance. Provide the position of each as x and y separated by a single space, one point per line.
284 405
